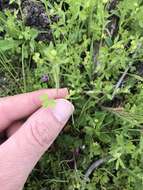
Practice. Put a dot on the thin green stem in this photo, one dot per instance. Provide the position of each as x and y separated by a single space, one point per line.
23 70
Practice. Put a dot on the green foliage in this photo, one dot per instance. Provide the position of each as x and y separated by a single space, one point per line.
85 57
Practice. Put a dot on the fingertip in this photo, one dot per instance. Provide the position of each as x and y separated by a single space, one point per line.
62 93
63 110
56 93
66 91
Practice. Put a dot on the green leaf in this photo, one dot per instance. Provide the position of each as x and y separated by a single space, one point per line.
109 41
8 44
12 1
46 102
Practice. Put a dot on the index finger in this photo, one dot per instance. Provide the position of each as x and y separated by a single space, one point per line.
19 106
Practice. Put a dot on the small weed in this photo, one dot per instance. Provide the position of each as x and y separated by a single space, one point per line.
46 102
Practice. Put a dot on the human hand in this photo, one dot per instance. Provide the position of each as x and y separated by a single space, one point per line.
28 140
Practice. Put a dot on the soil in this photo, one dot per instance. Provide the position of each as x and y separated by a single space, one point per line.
36 16
139 68
112 5
4 4
113 20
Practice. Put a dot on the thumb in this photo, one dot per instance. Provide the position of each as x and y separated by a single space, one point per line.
20 153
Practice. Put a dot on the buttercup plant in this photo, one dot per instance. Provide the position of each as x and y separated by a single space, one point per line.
46 102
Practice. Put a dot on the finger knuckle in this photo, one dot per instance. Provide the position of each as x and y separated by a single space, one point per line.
39 133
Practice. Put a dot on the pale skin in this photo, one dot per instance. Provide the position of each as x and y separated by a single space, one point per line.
31 130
